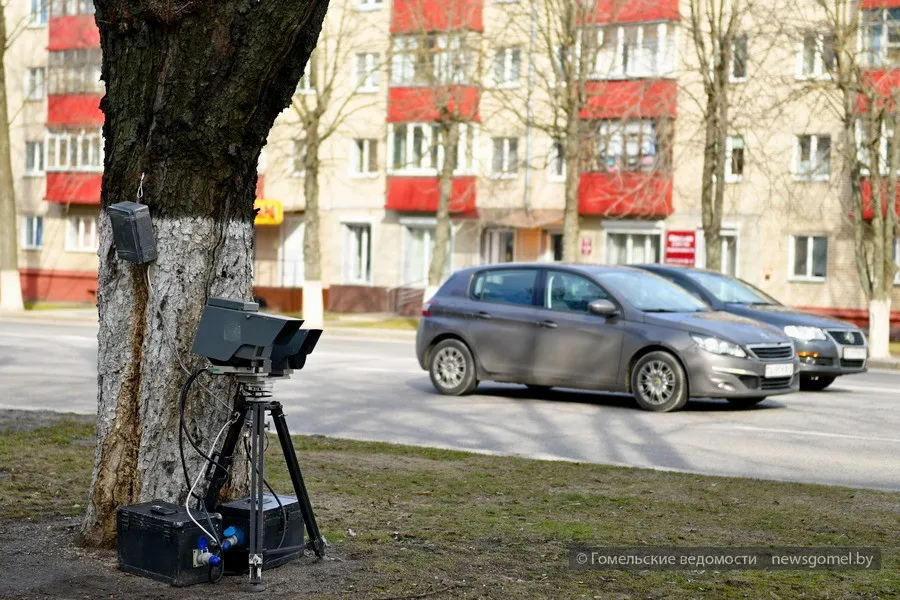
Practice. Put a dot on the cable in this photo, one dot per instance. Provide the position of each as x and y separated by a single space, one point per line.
187 507
183 427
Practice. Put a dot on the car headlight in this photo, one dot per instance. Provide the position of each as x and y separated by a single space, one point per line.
717 346
803 333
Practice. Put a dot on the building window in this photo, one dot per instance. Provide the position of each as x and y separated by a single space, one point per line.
630 145
75 150
365 157
632 248
507 66
82 234
558 161
34 158
497 246
813 157
734 159
75 71
417 255
416 149
62 8
506 157
357 252
880 33
307 83
366 72
429 59
298 157
739 58
553 247
38 12
369 4
817 55
34 83
32 232
631 50
809 260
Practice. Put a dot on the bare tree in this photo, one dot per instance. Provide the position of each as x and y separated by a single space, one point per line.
191 119
321 113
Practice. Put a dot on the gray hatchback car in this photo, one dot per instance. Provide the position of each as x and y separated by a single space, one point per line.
603 328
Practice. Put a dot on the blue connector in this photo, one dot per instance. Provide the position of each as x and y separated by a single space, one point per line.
233 537
204 556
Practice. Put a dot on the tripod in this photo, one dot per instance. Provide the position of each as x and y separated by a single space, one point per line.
252 402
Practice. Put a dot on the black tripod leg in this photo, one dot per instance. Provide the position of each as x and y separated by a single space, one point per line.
257 449
216 476
290 457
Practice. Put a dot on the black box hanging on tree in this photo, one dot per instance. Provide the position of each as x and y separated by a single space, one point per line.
132 232
158 540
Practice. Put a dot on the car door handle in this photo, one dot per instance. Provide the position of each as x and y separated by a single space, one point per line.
483 315
548 324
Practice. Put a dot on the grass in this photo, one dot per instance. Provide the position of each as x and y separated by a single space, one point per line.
499 527
395 323
38 306
895 349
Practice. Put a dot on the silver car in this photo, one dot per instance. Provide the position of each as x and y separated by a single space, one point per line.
602 328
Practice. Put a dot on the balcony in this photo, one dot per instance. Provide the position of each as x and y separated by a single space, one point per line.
421 194
630 98
73 33
74 110
625 194
73 188
632 11
423 104
419 16
865 188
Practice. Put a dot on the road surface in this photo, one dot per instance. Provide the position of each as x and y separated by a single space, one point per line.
374 390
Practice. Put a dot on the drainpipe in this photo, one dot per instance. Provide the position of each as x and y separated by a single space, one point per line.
529 117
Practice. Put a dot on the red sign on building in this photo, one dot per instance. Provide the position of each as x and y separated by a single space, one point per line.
587 246
681 248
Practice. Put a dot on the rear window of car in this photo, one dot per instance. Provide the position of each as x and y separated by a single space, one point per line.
506 286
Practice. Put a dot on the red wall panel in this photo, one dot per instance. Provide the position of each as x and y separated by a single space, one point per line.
420 194
74 188
864 4
630 98
630 11
865 188
58 286
73 33
74 110
419 16
421 104
625 194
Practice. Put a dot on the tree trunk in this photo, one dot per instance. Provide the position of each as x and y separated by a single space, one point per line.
313 301
449 145
10 284
572 146
712 193
193 118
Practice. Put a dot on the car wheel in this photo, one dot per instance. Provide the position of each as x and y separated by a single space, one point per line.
658 383
538 388
746 402
815 383
452 368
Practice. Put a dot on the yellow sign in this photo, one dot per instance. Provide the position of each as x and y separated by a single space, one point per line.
270 212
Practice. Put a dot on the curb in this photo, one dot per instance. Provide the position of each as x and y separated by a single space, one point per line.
884 363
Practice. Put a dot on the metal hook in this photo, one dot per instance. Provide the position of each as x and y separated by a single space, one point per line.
140 192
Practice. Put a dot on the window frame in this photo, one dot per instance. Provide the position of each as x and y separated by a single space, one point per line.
812 175
730 176
542 289
346 232
369 5
39 13
506 146
296 143
741 39
428 225
432 150
35 93
508 54
819 70
535 293
78 221
631 229
33 227
37 155
492 239
810 268
557 157
362 156
73 138
625 65
306 85
372 81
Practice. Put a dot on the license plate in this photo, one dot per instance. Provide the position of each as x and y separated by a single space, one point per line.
854 354
786 370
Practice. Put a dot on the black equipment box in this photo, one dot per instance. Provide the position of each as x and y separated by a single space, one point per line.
157 540
132 232
289 524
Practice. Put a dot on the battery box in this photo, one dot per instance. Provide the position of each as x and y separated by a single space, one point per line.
157 539
288 523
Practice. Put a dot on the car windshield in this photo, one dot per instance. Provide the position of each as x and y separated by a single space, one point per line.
728 289
649 293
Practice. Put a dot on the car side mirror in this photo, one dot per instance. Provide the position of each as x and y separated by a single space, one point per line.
604 308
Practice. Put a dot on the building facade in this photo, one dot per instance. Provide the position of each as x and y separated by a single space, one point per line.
391 70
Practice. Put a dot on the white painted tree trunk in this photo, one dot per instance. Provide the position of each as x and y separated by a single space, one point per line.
879 327
313 305
10 291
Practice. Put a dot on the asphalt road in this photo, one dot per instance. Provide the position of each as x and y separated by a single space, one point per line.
374 390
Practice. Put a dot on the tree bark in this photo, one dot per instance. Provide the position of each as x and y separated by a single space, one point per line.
10 284
313 301
572 145
193 118
449 146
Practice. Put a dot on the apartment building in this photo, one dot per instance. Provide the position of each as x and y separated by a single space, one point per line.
785 228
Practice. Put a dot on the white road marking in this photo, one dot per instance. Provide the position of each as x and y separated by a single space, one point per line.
816 433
